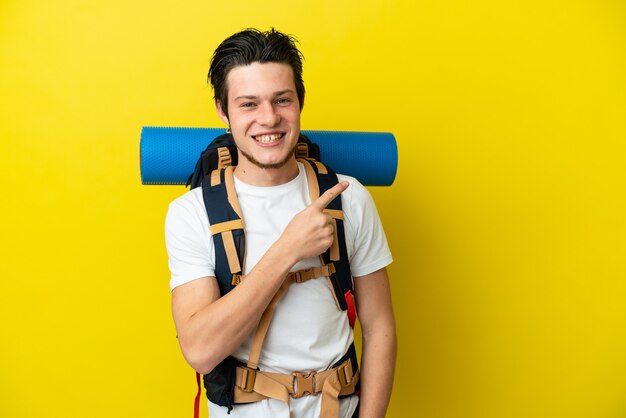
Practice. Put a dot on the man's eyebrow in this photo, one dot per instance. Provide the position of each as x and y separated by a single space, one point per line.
253 97
246 97
280 93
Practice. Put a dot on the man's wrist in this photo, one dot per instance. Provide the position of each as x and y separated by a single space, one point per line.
283 254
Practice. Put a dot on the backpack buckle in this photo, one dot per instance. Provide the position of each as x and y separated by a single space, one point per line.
302 275
344 373
248 377
303 384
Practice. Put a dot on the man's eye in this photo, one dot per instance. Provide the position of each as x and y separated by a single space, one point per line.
282 100
247 104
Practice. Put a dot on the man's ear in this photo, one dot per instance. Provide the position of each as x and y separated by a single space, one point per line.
220 112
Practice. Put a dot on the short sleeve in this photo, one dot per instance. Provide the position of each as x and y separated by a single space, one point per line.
188 242
366 241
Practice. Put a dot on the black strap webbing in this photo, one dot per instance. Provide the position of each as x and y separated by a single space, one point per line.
219 210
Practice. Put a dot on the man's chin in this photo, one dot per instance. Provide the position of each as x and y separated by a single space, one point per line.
269 166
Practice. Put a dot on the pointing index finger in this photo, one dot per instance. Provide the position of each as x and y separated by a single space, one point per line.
330 194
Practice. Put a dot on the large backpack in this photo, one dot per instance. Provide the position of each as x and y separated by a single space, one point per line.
214 173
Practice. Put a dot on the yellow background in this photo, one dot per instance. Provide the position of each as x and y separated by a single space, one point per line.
506 219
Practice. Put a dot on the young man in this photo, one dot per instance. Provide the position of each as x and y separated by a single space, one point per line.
259 94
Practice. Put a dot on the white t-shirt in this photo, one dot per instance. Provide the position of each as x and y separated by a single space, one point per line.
297 340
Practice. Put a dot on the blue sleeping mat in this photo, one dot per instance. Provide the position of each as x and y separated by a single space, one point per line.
168 155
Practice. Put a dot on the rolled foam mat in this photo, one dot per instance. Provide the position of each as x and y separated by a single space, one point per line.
168 155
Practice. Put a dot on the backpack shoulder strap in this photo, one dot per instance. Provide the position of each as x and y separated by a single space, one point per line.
227 226
321 178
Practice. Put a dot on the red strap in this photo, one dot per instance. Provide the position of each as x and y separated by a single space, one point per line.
351 308
196 402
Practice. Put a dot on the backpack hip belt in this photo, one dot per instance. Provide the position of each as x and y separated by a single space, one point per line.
253 385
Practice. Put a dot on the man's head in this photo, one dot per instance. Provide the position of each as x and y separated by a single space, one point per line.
247 47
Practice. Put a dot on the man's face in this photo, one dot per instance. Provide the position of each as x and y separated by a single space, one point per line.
264 113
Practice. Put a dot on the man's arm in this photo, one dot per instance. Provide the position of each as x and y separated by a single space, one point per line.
373 302
210 328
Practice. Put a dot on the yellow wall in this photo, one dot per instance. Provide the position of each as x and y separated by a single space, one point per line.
506 219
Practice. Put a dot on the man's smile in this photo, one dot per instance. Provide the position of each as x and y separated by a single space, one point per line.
268 138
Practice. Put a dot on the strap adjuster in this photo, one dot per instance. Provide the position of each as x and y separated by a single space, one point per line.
236 279
247 379
305 384
302 150
298 275
223 157
331 268
345 374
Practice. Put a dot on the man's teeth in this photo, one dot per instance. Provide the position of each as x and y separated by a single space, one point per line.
265 139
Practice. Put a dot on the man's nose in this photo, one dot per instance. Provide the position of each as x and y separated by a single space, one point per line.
268 115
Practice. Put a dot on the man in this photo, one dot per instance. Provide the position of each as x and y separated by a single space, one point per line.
259 94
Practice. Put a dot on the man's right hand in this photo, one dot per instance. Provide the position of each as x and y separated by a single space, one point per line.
310 232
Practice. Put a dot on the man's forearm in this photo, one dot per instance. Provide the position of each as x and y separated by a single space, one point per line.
378 361
210 328
377 371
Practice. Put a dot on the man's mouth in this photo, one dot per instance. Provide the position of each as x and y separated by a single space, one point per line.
269 138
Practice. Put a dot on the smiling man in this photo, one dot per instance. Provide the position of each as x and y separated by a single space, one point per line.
304 365
264 117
